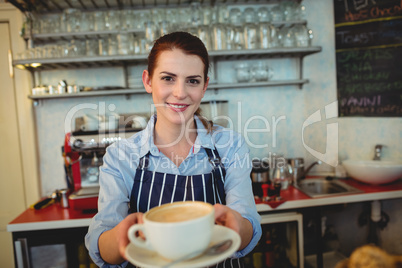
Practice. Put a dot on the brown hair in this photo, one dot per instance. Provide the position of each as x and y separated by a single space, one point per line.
190 45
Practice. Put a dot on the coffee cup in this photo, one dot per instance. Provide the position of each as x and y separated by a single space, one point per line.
91 123
109 124
175 230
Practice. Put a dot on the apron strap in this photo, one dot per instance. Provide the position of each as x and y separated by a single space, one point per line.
215 160
144 162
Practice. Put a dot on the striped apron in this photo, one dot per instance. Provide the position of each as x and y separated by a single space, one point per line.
152 189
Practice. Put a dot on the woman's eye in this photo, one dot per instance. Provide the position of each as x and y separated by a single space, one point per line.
167 78
194 81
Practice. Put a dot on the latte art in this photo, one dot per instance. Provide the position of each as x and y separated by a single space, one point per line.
179 213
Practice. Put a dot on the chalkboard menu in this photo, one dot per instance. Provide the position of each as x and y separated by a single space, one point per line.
369 57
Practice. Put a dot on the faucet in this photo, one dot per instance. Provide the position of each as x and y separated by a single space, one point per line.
296 169
377 152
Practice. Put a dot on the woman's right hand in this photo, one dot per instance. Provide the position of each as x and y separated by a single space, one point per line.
112 243
122 231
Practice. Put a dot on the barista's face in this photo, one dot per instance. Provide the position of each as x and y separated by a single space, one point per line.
177 86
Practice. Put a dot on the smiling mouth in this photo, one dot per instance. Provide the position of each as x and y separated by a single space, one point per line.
178 107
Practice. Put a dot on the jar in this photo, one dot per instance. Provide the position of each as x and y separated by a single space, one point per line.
261 72
242 72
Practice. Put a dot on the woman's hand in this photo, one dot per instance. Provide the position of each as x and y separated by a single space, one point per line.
124 225
232 219
112 243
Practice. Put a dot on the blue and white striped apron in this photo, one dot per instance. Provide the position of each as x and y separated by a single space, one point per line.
151 189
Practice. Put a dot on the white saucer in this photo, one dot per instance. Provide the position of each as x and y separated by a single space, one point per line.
145 258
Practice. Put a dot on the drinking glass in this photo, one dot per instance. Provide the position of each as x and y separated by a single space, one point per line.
136 45
164 27
290 10
92 47
276 13
112 21
196 13
99 20
238 37
281 174
123 43
221 12
219 36
267 35
79 47
251 36
249 15
171 15
301 35
113 45
127 19
72 18
104 46
151 33
158 15
264 14
204 35
206 15
287 37
87 21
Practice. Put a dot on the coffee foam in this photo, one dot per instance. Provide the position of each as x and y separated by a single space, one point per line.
179 213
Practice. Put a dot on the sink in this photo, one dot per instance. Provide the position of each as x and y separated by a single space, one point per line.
373 171
324 188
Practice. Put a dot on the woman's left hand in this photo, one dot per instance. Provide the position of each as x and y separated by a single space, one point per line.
232 219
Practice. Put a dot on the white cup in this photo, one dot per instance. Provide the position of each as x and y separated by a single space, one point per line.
91 123
176 230
109 124
139 122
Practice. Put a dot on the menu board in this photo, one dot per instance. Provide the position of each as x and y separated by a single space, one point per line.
369 57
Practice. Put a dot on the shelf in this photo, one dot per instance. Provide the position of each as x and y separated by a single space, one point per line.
40 38
94 93
141 90
269 52
79 62
121 60
272 83
66 36
50 6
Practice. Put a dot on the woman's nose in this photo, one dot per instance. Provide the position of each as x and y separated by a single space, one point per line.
179 91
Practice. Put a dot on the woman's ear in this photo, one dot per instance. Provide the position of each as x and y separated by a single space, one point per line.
146 80
206 86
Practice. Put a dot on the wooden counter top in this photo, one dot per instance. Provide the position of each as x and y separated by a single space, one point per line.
54 217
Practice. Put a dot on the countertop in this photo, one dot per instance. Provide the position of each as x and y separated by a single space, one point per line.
295 198
55 217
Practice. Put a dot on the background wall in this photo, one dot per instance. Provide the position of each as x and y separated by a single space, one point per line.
357 136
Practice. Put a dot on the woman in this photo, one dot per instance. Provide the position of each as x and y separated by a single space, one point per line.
173 157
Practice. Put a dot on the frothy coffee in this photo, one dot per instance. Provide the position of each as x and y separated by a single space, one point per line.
179 213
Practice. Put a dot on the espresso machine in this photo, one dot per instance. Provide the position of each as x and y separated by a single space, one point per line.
83 155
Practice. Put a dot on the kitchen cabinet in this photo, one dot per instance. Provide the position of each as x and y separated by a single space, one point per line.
281 243
43 8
